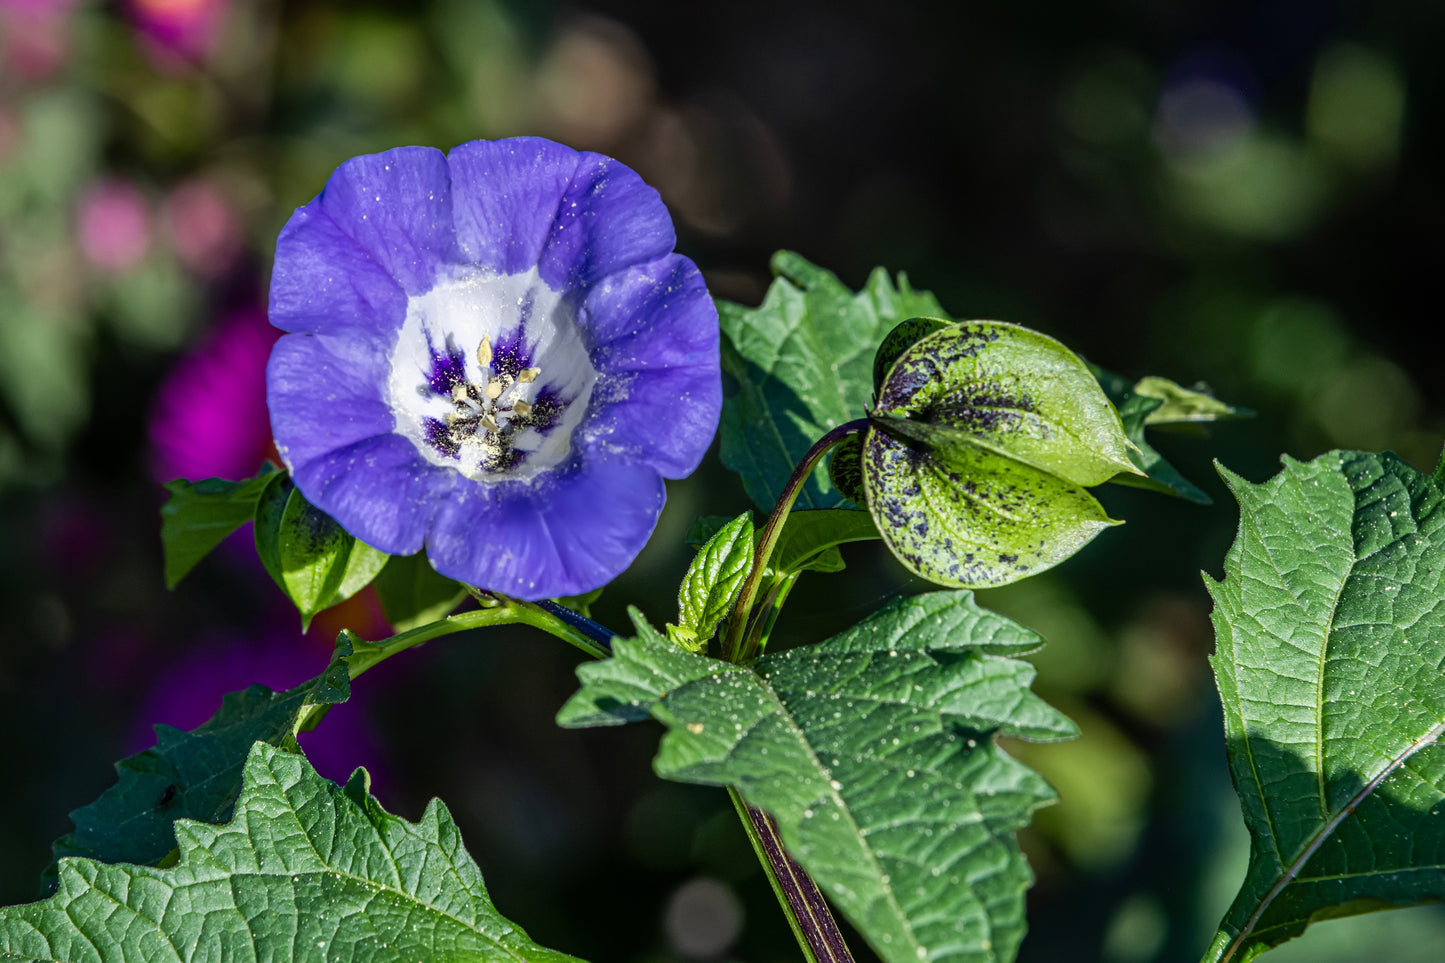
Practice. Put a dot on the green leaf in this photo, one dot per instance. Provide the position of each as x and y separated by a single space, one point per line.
845 470
196 774
984 437
199 515
1330 636
413 594
1159 475
1154 402
809 540
314 560
306 870
1178 404
874 751
899 340
803 363
713 579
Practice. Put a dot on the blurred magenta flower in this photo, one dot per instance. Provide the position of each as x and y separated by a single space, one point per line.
113 225
495 354
209 418
176 32
34 37
202 228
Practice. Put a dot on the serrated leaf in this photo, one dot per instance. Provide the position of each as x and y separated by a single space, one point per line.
1330 636
199 515
984 438
306 870
196 774
803 363
412 593
874 751
313 559
713 579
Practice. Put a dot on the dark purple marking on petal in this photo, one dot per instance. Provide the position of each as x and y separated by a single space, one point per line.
448 368
510 353
439 436
547 410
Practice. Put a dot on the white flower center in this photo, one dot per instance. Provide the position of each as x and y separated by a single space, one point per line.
490 376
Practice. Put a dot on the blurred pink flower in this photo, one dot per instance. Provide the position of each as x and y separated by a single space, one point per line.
113 225
176 32
34 36
210 418
202 228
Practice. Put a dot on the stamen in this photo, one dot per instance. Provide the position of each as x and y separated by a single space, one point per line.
459 392
484 352
528 375
490 423
494 389
521 409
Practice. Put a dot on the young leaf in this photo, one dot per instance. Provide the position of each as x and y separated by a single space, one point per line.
1330 637
306 870
874 752
713 579
199 515
809 540
1155 401
196 774
412 593
314 560
803 362
1178 404
984 437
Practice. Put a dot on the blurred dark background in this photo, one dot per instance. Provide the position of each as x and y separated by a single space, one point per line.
1244 194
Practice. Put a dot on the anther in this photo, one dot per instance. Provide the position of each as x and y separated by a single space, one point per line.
494 389
521 409
459 392
484 352
528 375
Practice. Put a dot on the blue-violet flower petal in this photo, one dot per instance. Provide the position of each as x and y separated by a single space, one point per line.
495 355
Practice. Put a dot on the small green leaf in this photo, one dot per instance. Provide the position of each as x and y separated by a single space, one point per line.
714 577
199 515
305 871
1330 637
196 774
809 540
412 593
1178 404
984 437
581 604
1158 402
803 364
875 753
314 560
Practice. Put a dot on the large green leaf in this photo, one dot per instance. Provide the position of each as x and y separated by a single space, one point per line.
306 870
196 774
199 515
984 438
1330 624
803 363
874 751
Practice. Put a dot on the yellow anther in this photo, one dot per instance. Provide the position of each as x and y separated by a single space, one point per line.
521 408
484 352
459 392
528 375
494 389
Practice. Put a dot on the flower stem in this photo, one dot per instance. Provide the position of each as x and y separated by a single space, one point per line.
808 915
733 649
368 654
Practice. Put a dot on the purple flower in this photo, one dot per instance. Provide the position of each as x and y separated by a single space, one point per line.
495 354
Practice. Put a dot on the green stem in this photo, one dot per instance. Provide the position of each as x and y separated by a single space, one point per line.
733 649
